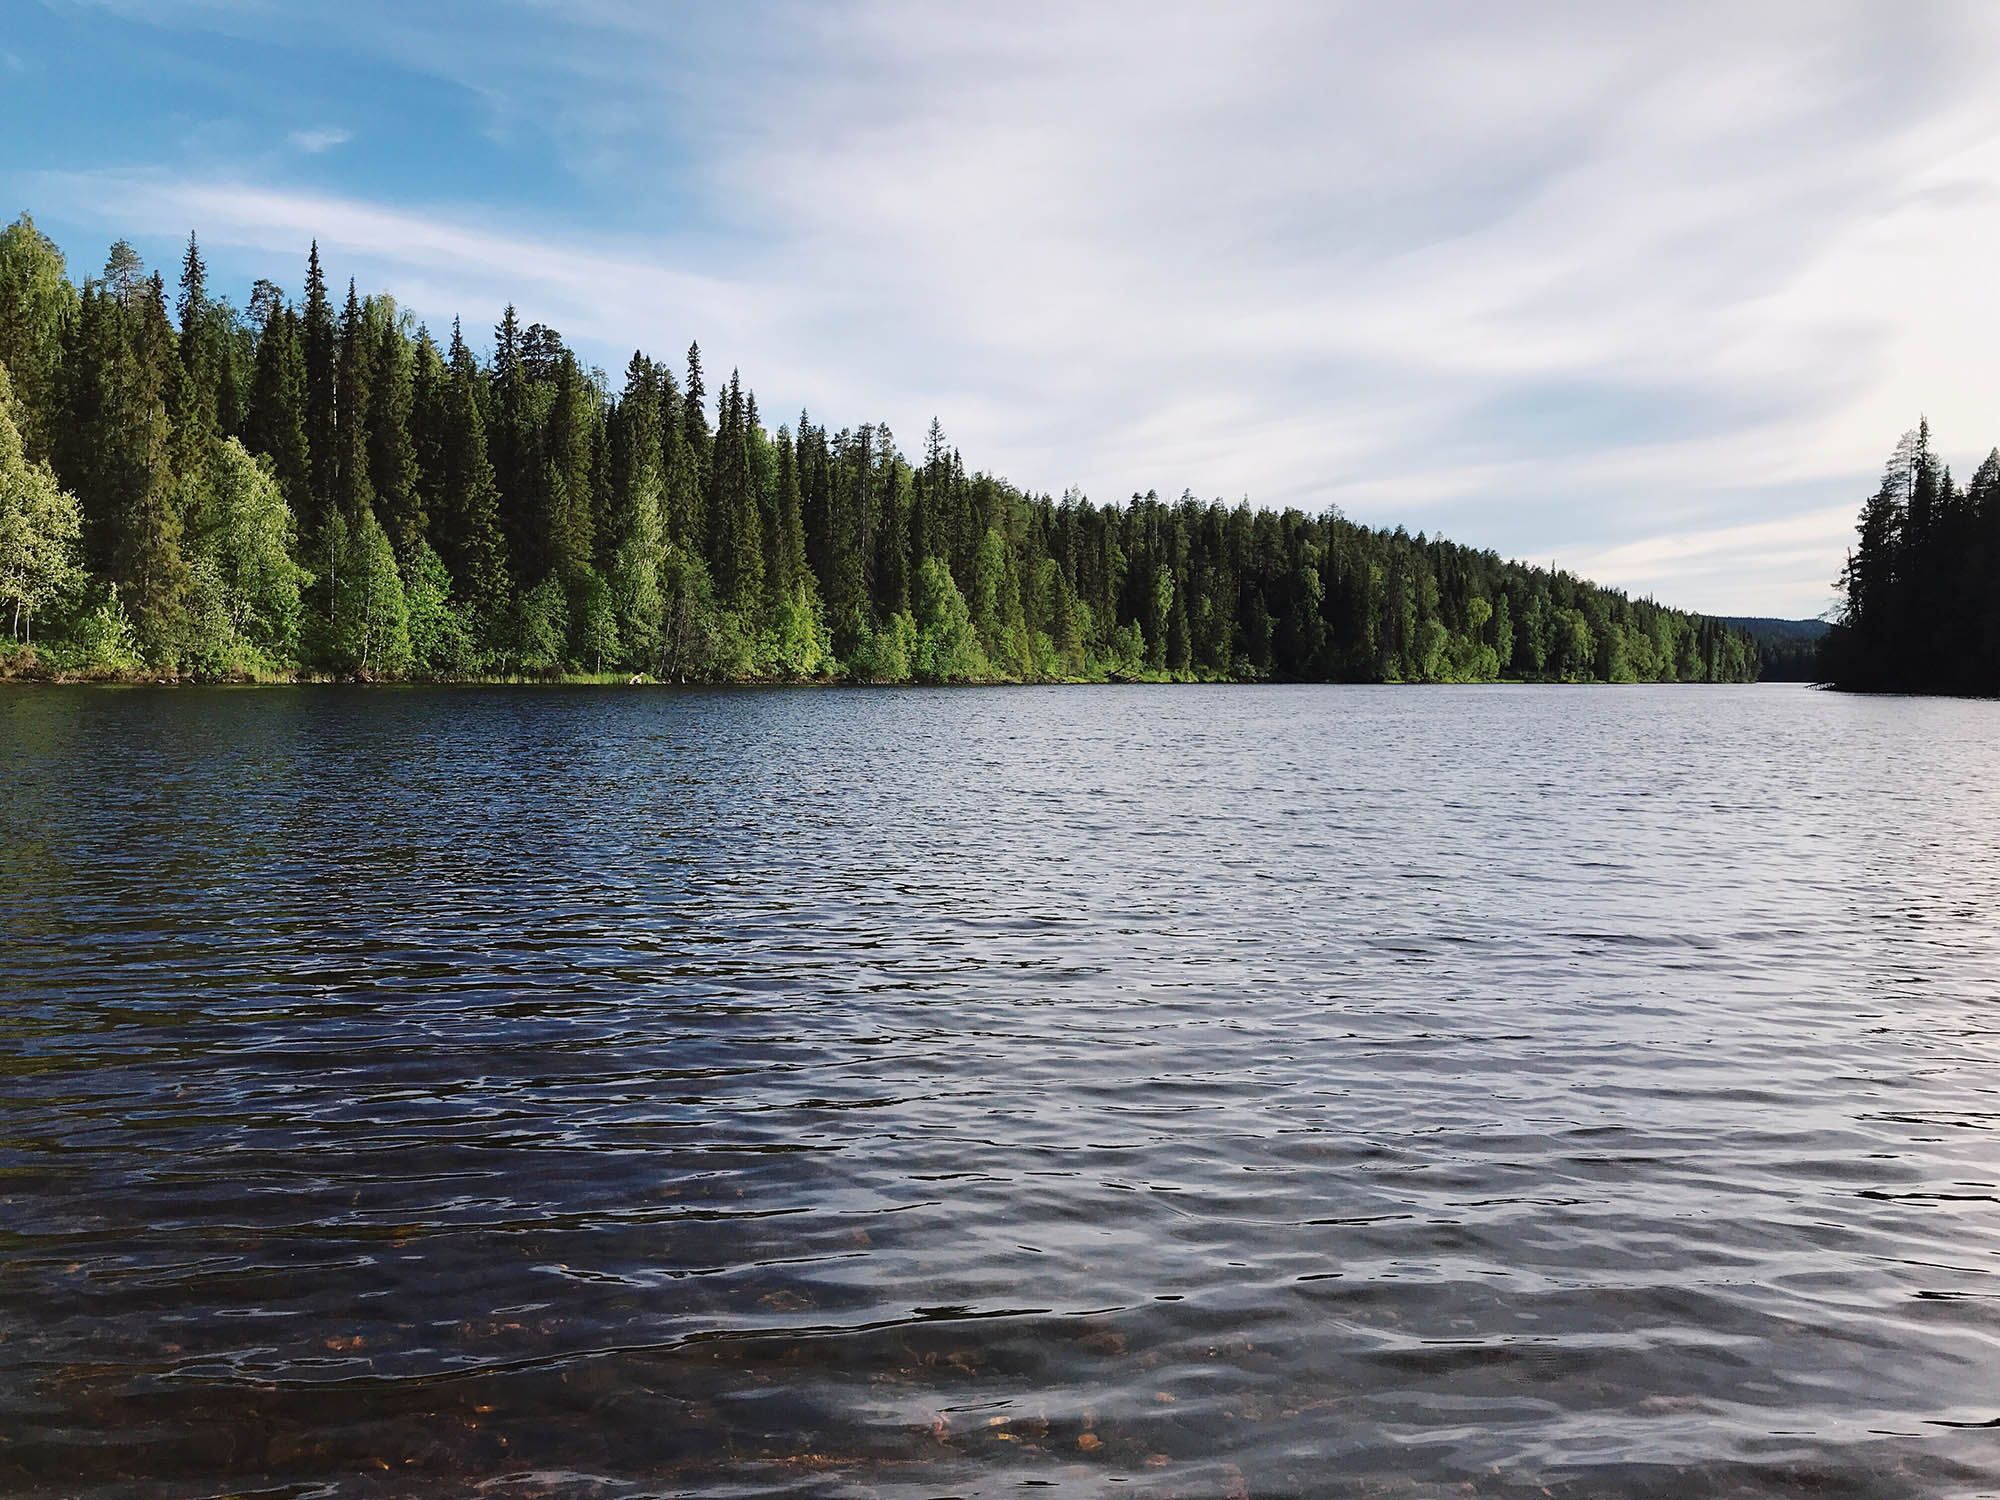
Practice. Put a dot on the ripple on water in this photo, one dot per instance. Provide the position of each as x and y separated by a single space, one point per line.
1208 1091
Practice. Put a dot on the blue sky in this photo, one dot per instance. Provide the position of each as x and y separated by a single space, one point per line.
1646 290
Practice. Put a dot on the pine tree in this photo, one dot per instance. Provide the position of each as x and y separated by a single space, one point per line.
197 422
513 437
790 570
392 455
465 515
125 275
567 540
146 560
354 491
632 449
926 500
275 424
319 346
635 530
652 540
38 308
694 416
735 551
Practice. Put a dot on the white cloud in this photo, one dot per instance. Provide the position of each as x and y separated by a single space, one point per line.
316 141
1705 569
1559 279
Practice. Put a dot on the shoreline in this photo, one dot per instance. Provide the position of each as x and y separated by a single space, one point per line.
622 680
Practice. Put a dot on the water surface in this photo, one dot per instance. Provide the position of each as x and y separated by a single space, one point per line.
1218 1091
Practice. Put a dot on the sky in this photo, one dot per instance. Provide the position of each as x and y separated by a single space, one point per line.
1645 291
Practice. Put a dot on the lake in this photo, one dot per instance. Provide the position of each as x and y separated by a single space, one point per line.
1150 1091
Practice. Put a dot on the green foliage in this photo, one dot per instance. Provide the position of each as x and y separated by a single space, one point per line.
690 622
40 528
366 630
215 462
800 645
100 640
594 622
887 653
38 306
947 647
637 603
541 628
441 637
245 606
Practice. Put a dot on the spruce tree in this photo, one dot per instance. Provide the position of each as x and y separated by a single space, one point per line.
790 570
512 438
38 308
694 415
275 424
354 490
392 454
465 515
197 423
567 540
319 346
632 450
146 560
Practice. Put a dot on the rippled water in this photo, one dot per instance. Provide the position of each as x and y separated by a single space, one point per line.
1226 1091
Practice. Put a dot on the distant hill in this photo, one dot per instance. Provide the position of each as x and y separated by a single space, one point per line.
1787 650
1812 630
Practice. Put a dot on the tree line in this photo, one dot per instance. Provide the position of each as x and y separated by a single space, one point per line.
320 486
1920 612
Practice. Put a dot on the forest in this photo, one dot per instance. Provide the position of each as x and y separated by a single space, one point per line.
1787 650
1920 609
318 488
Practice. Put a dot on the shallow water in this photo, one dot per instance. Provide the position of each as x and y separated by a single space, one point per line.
1198 1091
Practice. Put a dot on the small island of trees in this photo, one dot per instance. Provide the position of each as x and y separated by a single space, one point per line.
299 490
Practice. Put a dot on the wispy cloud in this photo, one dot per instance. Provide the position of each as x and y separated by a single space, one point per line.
1705 568
316 141
1559 279
437 263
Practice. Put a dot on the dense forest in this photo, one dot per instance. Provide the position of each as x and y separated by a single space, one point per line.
319 487
1787 650
1921 612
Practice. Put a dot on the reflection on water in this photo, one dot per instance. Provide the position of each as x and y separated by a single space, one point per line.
1176 1092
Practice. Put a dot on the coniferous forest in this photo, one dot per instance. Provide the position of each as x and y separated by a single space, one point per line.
1921 612
318 486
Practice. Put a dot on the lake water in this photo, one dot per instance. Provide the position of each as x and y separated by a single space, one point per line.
1193 1091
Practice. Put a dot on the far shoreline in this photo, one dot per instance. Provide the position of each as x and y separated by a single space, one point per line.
642 681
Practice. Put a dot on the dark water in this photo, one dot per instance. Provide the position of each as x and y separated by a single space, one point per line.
1196 1092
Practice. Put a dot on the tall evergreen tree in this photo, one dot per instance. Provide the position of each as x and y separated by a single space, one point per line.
789 558
275 423
197 389
319 343
640 537
393 473
38 308
567 524
694 414
735 544
465 522
146 561
353 487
